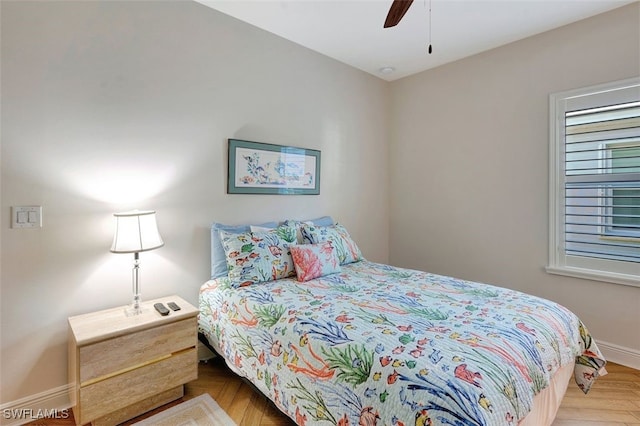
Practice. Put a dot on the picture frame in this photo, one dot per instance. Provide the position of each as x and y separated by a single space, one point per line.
264 168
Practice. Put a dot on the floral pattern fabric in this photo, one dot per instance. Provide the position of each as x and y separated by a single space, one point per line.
254 257
380 345
347 249
320 221
315 260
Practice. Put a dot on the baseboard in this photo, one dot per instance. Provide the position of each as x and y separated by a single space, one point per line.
37 407
620 354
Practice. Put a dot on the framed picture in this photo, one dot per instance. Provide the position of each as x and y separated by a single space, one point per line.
262 168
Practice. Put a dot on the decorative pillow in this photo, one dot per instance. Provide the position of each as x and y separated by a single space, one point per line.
346 248
254 257
315 260
218 258
321 221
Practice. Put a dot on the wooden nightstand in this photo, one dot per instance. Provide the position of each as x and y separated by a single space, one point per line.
121 367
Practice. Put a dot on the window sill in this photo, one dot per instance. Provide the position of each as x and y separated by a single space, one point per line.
589 274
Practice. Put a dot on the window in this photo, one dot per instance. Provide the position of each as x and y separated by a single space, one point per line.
622 218
595 183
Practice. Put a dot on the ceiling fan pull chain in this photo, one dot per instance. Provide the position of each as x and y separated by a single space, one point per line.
430 47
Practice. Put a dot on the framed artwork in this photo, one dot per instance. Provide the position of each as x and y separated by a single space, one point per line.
262 168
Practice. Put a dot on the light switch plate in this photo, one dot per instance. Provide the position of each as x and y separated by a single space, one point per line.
26 217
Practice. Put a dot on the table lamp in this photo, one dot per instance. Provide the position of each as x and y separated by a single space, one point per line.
136 231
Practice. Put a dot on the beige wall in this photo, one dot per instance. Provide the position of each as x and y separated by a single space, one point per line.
469 167
108 106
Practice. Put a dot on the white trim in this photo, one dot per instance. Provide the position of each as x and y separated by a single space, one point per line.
620 354
54 401
591 274
555 198
576 96
558 261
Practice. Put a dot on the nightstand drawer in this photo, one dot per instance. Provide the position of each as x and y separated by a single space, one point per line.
120 353
101 398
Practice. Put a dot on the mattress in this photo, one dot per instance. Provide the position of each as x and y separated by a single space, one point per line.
377 344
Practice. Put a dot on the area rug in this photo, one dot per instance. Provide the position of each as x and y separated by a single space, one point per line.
199 411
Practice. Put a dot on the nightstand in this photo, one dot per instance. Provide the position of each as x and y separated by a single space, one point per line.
121 367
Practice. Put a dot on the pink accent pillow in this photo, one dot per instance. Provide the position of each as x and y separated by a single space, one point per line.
314 260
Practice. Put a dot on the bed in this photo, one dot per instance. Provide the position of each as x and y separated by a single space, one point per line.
332 338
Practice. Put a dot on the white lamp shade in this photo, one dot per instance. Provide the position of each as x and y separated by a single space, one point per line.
136 231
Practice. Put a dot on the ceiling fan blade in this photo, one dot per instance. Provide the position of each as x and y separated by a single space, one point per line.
396 12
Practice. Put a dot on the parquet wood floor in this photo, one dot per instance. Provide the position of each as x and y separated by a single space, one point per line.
613 401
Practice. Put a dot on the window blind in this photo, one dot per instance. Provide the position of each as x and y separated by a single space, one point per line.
602 182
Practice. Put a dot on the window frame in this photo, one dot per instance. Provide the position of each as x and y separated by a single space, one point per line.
609 231
559 262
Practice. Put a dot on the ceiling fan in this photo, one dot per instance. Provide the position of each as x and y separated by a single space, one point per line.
396 12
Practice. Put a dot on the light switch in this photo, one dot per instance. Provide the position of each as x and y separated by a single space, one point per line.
26 217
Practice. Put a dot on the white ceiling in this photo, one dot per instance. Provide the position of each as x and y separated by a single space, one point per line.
352 32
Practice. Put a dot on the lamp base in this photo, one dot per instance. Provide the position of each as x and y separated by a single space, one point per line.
132 310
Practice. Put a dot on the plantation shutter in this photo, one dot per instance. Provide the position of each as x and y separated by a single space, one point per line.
594 182
602 182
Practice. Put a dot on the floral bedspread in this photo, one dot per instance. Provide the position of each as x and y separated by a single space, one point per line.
380 345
